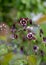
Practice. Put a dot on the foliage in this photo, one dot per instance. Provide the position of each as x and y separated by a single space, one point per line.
11 10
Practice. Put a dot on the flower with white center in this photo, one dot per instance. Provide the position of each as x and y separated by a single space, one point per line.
23 22
29 35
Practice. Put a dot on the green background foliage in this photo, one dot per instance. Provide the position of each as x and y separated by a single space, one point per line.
10 10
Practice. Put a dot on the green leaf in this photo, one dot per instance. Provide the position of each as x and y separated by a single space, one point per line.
27 14
32 60
6 59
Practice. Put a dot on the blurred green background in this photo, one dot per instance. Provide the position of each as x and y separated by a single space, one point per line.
10 10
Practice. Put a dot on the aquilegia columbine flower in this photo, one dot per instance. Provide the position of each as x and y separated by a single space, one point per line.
30 36
23 21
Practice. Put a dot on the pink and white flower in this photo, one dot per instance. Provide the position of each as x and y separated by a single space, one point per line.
23 21
31 36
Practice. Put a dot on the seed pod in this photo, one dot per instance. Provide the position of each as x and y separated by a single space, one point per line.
30 21
44 39
41 31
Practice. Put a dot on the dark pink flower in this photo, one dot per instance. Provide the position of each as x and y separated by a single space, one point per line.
23 21
29 35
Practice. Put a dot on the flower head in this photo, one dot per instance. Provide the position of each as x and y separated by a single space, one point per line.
23 21
29 35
